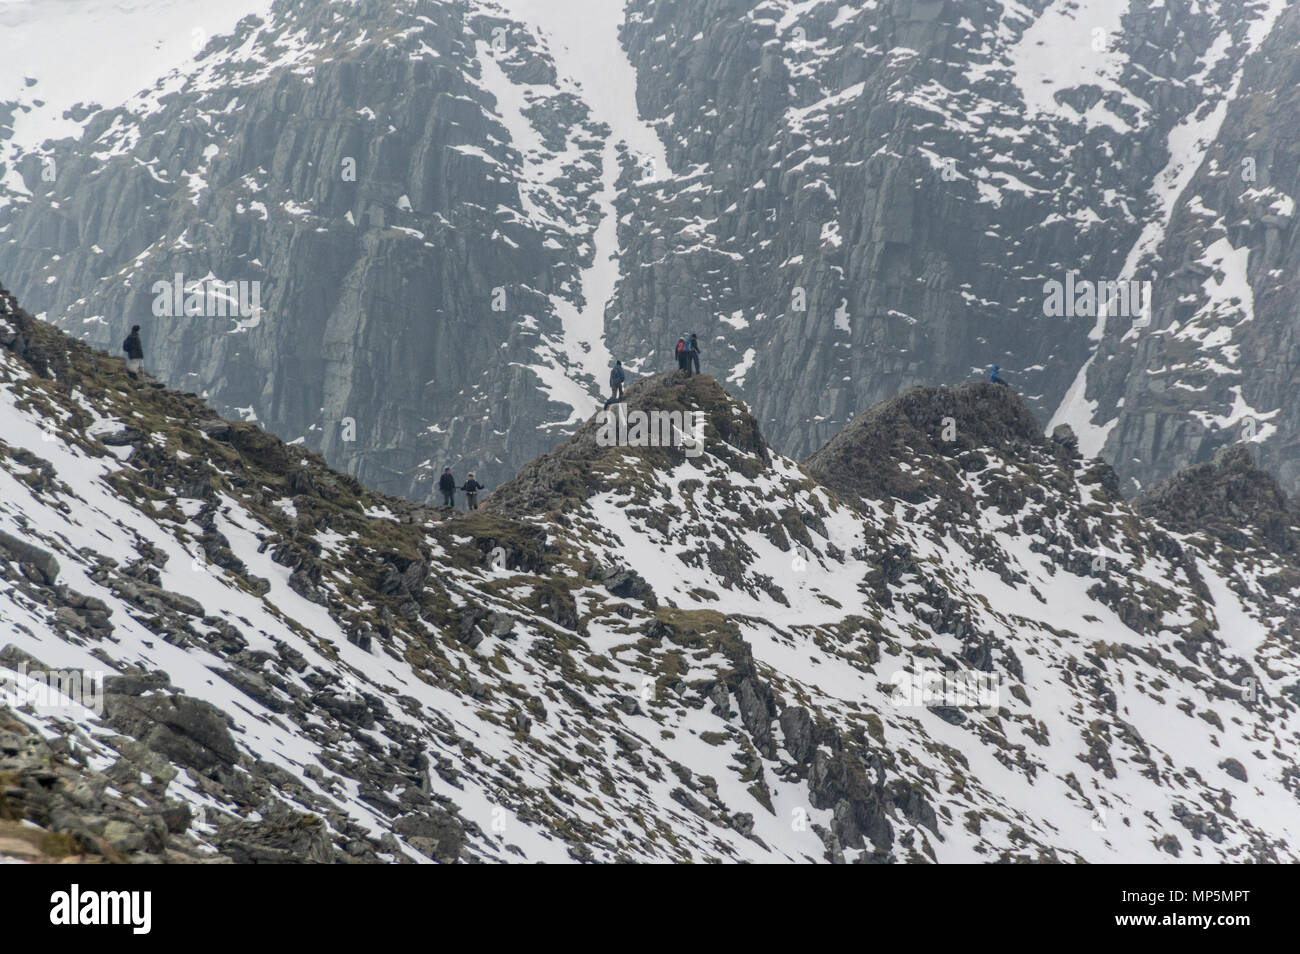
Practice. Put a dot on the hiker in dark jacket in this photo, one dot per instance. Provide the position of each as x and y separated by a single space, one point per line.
683 357
995 377
615 384
693 349
134 351
447 484
471 488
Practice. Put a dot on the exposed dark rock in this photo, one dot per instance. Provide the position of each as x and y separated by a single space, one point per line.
1234 768
1229 497
434 833
797 733
865 460
23 552
187 731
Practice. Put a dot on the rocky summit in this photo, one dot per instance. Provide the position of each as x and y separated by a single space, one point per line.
943 637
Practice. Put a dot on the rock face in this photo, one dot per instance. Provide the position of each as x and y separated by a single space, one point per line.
1219 362
856 199
186 732
880 193
22 552
375 202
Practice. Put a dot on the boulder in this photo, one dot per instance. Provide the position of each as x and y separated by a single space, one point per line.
22 552
187 731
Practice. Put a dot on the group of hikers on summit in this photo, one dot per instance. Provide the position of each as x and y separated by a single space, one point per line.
688 362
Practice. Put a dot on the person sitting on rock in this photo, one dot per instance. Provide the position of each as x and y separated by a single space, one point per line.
615 384
471 488
134 351
995 377
447 484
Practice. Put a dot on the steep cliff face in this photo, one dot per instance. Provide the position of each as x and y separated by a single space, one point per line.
875 196
410 191
460 213
1221 360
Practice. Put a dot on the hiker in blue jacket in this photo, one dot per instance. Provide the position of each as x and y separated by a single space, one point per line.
995 377
615 384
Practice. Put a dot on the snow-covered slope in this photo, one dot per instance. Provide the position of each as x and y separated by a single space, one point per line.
637 653
582 40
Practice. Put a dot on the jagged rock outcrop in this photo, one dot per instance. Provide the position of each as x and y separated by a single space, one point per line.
588 462
25 554
1230 498
869 459
75 813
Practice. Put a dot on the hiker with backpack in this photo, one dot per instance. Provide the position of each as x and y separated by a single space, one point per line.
615 385
683 357
134 352
447 484
471 488
693 349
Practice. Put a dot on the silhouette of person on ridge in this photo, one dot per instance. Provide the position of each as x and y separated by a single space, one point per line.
134 352
615 386
447 484
693 349
471 488
683 356
996 378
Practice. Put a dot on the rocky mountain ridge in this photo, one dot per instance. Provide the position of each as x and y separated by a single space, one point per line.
629 653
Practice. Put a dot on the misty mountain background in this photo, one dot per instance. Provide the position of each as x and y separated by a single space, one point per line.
460 213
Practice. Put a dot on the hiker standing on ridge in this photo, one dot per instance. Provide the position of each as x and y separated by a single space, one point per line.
693 349
447 484
615 386
683 358
134 351
996 378
471 488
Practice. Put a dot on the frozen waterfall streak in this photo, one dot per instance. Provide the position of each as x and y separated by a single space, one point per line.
584 43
